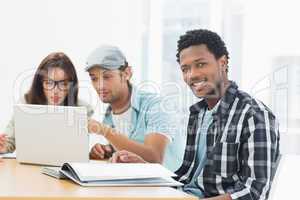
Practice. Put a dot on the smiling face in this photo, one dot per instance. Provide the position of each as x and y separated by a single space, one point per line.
202 71
55 86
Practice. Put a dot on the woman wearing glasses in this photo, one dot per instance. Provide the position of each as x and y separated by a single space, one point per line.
55 83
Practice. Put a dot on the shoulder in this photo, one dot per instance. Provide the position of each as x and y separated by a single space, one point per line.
148 100
150 97
253 105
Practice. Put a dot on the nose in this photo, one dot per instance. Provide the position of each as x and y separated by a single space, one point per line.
193 71
192 74
99 86
55 89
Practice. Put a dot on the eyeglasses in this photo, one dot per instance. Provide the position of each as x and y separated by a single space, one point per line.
61 85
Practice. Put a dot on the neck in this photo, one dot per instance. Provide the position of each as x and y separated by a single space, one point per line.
211 102
122 104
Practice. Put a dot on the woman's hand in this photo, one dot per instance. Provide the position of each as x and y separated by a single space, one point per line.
3 141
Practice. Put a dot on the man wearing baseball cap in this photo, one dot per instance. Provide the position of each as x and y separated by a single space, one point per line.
134 120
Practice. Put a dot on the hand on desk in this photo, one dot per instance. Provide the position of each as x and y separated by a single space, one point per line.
3 141
100 151
126 157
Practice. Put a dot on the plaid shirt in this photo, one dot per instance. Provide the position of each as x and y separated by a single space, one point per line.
242 148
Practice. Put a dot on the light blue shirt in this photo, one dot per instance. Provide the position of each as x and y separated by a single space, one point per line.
205 118
147 117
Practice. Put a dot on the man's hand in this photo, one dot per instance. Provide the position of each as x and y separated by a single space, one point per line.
94 126
126 157
98 128
100 151
3 141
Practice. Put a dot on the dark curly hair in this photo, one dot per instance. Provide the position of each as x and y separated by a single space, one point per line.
212 40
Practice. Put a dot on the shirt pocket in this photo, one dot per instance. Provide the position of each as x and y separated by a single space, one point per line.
225 159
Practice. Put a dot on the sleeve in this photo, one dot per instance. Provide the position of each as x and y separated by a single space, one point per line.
10 132
258 155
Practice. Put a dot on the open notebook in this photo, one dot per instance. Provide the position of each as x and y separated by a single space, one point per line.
114 174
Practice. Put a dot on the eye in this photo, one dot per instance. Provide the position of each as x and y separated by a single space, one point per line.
105 77
199 65
49 82
184 69
64 82
93 78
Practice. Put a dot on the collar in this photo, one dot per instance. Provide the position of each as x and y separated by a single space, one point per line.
135 100
223 104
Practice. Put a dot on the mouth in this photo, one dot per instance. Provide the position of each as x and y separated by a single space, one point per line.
56 99
102 94
198 85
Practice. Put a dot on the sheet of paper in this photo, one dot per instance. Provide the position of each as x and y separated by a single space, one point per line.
54 172
118 171
133 182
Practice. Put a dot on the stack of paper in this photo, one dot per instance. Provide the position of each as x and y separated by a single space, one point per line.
54 172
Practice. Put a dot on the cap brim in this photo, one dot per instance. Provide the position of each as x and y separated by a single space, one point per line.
101 66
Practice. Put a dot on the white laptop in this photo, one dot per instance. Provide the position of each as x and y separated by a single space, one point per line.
51 135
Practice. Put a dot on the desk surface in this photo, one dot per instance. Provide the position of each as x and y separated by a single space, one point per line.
20 181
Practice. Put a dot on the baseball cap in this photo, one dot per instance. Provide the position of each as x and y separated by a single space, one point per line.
106 56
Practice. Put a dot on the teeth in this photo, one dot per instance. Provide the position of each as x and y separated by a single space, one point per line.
198 83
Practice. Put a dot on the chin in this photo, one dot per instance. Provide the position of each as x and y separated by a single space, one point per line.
199 94
105 99
54 103
206 93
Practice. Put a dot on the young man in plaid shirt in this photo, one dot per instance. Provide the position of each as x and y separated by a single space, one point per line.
232 139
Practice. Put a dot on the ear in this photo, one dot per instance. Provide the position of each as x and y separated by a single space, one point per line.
128 73
223 63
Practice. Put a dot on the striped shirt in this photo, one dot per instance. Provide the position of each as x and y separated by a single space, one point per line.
242 148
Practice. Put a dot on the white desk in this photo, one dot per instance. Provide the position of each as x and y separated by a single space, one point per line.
19 181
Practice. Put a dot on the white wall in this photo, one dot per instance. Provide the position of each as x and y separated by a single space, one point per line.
255 32
31 29
271 31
